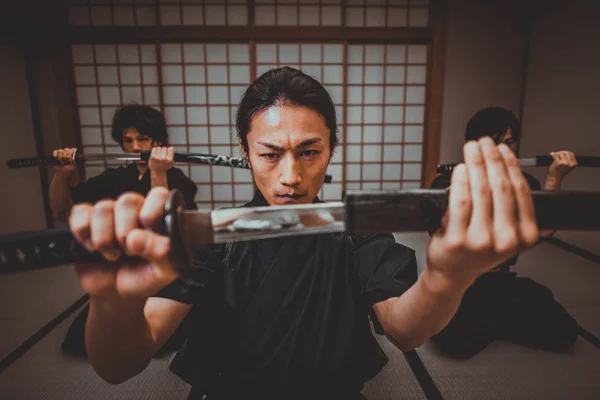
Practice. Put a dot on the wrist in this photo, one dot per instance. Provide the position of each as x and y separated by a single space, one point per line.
443 284
553 182
113 306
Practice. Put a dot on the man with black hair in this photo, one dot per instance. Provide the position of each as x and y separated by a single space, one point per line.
135 128
500 305
287 318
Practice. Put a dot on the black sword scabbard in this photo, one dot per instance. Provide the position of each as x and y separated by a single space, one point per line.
582 161
420 210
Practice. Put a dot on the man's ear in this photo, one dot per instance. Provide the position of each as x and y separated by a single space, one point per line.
244 153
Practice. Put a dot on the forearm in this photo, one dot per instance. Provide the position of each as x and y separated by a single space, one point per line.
158 179
423 310
118 339
60 192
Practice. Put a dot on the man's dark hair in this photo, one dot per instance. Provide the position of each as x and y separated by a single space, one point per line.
145 119
285 86
494 122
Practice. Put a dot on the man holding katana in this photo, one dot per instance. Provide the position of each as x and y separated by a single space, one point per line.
135 128
500 305
288 318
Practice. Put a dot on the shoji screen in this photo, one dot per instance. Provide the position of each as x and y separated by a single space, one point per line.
379 87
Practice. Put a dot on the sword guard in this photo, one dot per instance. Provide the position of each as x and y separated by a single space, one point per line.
180 255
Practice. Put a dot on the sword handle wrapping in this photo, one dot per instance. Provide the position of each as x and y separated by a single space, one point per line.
583 161
32 162
57 246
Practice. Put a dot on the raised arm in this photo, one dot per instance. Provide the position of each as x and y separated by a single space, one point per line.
126 326
490 219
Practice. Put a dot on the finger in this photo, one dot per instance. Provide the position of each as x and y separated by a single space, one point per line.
153 210
564 157
505 233
171 152
554 155
155 249
481 218
154 152
528 229
103 231
79 224
459 205
149 245
572 159
126 211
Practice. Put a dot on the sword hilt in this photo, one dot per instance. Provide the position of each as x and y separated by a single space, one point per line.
57 246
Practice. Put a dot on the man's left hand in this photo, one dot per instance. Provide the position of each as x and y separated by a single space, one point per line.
161 159
564 163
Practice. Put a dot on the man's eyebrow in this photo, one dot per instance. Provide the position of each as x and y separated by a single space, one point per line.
306 143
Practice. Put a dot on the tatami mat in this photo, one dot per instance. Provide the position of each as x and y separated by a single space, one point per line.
505 371
29 300
44 373
396 381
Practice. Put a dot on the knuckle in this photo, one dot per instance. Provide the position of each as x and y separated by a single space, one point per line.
129 199
501 185
521 186
104 205
484 190
507 242
455 243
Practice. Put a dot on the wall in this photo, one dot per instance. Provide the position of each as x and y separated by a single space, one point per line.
483 65
21 203
561 103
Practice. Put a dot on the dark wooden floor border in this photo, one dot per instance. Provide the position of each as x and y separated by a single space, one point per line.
588 255
40 334
588 336
423 377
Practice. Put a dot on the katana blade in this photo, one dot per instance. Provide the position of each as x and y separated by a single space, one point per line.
362 212
537 161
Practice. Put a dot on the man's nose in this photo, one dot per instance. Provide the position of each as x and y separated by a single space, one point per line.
291 172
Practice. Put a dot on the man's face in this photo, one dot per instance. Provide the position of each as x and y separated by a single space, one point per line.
289 152
509 140
135 142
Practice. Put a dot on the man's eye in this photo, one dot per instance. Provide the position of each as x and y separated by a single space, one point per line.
310 153
144 139
270 156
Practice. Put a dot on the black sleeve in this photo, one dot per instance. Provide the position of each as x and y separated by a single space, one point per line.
202 281
385 268
534 184
441 181
178 180
94 189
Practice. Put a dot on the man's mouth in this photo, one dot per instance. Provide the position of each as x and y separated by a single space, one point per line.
292 196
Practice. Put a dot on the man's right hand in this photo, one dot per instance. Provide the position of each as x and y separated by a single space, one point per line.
66 157
127 225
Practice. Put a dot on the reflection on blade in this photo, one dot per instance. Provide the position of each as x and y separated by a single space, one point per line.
251 223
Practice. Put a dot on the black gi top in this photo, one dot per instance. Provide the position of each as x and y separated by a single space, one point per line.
287 318
442 181
113 182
